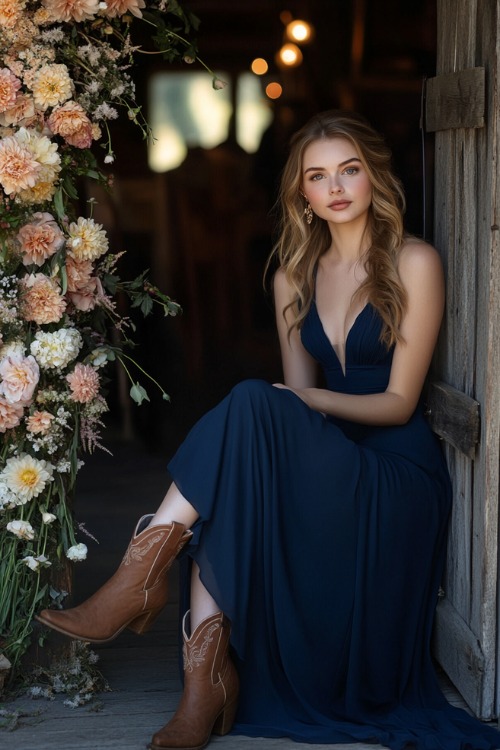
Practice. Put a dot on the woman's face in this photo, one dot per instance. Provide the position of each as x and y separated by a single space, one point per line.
335 181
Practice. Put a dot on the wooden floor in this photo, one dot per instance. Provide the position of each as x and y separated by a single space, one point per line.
141 671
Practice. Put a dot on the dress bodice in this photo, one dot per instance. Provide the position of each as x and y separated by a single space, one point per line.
367 359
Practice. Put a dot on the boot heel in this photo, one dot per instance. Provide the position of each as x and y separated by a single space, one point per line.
143 623
225 720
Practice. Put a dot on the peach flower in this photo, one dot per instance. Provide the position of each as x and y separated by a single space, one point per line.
84 383
39 422
120 7
19 378
41 299
10 414
40 239
22 113
83 288
18 169
71 122
72 10
9 86
10 13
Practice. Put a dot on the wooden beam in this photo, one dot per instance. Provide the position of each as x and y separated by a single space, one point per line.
455 100
453 416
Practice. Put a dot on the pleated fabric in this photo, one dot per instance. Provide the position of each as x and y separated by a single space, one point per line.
324 543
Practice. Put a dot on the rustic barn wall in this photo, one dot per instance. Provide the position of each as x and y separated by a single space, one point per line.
466 233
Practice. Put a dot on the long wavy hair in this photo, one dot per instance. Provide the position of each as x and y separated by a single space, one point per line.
300 245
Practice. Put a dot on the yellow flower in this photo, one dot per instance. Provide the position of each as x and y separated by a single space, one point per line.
52 86
88 240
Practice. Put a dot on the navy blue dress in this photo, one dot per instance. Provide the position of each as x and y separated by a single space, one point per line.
324 542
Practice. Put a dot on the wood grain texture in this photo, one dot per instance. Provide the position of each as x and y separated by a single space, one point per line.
455 100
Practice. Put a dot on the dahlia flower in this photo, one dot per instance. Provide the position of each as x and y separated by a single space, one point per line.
52 86
39 422
22 112
26 477
18 168
10 12
71 10
41 299
120 7
9 86
71 122
40 239
83 383
87 240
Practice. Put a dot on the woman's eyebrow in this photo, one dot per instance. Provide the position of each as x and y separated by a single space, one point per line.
342 164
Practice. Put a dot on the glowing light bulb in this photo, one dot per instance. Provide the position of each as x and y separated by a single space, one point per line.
290 56
299 31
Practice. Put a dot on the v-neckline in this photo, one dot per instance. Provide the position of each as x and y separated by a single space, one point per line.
343 365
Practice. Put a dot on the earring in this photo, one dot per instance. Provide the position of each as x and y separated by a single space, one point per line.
308 212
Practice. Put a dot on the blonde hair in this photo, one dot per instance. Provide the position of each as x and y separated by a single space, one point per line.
300 245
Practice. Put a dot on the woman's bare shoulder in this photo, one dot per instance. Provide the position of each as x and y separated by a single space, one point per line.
418 257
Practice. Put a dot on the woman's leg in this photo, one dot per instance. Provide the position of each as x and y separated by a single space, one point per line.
202 604
174 507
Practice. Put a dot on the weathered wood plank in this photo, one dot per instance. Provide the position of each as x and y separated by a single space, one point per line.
454 416
459 652
455 100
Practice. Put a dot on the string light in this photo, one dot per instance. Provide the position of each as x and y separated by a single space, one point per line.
299 31
289 56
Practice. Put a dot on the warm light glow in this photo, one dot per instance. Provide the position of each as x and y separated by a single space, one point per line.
274 90
290 55
299 31
168 150
259 66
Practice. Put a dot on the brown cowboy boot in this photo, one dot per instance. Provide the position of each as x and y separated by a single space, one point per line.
134 596
208 704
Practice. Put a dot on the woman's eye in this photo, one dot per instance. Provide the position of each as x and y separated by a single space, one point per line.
316 177
351 170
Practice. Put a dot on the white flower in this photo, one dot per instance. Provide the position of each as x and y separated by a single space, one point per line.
26 477
48 517
99 357
77 552
21 529
36 562
7 499
57 348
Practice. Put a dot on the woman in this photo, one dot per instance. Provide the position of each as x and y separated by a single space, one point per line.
314 517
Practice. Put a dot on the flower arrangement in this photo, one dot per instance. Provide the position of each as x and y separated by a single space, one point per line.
64 77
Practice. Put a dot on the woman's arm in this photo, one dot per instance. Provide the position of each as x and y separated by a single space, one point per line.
422 276
299 368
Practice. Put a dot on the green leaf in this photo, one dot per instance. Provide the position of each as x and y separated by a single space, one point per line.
59 203
138 393
146 305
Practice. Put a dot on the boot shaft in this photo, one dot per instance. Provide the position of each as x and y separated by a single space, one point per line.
205 651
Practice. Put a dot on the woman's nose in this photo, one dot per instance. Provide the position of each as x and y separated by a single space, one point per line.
336 186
